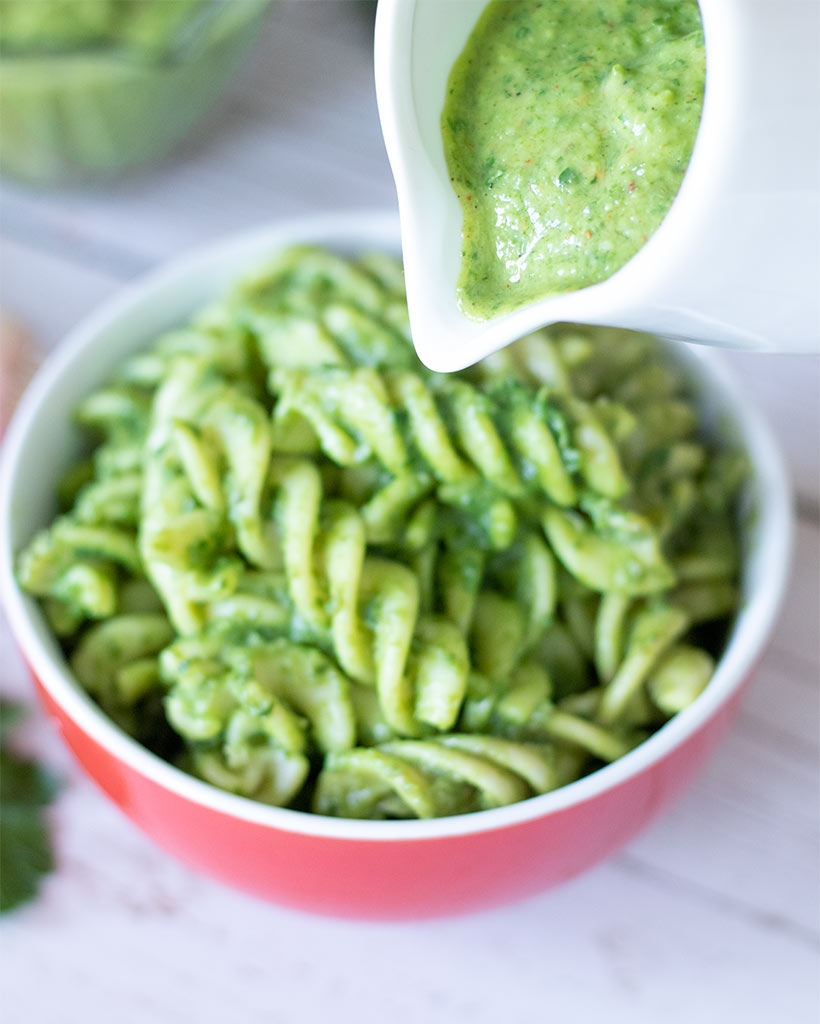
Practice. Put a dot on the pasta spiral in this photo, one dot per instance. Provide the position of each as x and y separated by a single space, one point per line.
314 573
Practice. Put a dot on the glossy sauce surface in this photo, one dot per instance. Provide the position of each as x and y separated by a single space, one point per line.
567 129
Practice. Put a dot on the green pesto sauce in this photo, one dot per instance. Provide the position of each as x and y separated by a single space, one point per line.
567 130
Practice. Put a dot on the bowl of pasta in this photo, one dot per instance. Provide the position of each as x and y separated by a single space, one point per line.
362 638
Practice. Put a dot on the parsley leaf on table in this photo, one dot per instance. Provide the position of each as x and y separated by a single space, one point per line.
25 844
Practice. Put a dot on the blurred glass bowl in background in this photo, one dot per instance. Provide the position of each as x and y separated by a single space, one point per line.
89 88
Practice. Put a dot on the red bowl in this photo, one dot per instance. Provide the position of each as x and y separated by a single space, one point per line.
381 869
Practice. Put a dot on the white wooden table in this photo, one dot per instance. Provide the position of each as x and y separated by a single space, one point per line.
711 915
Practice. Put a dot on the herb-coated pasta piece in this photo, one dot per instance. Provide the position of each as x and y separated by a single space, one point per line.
530 687
602 743
610 629
245 738
373 783
426 778
113 501
497 634
458 581
655 629
309 683
527 424
343 551
680 677
77 566
116 661
600 465
368 606
439 667
627 562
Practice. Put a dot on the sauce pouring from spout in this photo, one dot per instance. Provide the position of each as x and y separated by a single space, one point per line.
732 264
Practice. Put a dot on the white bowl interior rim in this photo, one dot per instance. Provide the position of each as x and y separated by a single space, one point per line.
360 231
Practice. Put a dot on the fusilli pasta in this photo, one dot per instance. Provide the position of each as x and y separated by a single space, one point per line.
315 574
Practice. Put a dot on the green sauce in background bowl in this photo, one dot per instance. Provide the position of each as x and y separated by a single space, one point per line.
567 130
89 88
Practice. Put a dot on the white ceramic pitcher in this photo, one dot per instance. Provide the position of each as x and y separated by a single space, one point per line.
736 261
